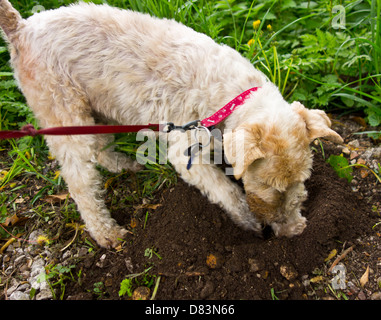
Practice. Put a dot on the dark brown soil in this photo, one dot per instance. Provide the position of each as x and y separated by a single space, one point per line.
185 229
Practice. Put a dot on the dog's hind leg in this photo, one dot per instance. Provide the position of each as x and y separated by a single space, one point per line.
58 100
76 154
213 183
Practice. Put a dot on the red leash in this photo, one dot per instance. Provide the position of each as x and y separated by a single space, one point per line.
216 118
29 130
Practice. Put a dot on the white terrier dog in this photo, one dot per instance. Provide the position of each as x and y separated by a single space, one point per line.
82 62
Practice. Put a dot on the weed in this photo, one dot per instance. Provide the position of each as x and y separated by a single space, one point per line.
126 287
155 175
156 288
341 165
56 276
338 294
273 295
344 170
149 252
135 280
99 289
145 220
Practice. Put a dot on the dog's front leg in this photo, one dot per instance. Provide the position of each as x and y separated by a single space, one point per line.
212 182
77 157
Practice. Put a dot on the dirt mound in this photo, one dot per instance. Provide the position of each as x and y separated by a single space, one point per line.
178 237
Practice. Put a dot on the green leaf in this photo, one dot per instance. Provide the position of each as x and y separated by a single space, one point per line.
331 79
287 4
341 166
125 288
374 119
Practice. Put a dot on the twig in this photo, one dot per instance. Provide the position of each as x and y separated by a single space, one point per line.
156 287
134 275
7 244
194 274
187 274
340 257
71 241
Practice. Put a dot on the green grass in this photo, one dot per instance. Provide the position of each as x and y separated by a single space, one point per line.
294 44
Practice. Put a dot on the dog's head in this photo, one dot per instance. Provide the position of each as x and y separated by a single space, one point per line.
273 158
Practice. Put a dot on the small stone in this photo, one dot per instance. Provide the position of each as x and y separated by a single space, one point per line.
19 260
9 270
361 295
12 289
19 295
44 295
24 268
67 254
101 262
82 252
289 272
207 290
364 173
361 161
376 296
306 282
255 265
141 293
354 144
6 259
24 287
129 265
214 261
353 155
37 267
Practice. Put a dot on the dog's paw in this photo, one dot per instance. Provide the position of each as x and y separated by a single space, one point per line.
290 229
110 239
299 227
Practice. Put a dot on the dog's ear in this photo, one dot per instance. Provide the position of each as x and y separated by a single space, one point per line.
317 122
241 147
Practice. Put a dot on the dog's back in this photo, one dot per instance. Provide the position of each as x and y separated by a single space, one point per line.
122 59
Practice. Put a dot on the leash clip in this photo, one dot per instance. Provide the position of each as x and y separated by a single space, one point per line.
170 126
194 149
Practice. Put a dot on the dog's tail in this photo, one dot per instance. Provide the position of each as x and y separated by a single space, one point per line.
10 20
